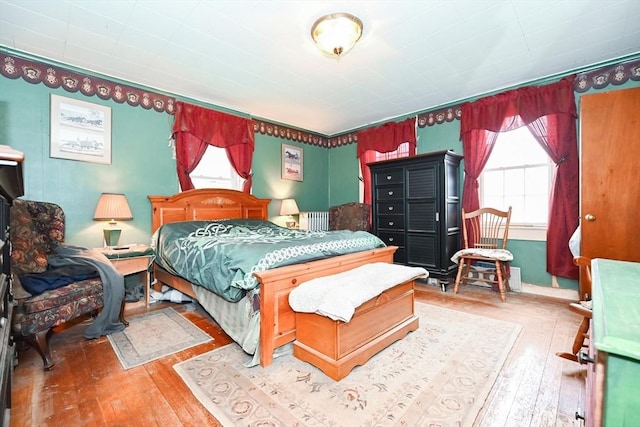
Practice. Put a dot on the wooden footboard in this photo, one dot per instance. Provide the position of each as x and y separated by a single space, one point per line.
277 319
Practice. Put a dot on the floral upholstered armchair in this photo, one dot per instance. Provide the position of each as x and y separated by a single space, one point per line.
352 216
36 229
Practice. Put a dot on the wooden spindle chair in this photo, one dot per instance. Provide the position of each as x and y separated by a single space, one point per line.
485 232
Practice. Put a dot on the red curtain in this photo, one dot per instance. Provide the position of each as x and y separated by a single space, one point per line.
367 157
383 139
550 114
194 127
477 147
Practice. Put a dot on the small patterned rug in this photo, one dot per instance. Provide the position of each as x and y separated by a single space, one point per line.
153 335
439 375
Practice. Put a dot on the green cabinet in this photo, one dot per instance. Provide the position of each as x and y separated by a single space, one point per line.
613 382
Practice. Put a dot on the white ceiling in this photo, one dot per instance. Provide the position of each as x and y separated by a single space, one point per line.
257 58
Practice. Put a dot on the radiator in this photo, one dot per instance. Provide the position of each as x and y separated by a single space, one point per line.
315 221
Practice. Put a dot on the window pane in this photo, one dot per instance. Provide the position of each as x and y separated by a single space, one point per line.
518 175
215 171
537 180
518 208
402 151
514 182
515 148
536 208
494 201
493 183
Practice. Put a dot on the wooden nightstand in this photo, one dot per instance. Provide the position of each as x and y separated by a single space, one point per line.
134 259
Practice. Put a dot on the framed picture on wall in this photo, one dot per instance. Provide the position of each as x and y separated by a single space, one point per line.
80 130
292 162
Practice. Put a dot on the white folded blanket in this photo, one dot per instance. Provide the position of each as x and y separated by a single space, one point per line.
337 296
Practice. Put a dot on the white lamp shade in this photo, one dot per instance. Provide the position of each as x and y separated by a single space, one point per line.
289 207
111 207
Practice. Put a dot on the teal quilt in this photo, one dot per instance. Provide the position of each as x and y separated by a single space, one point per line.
222 256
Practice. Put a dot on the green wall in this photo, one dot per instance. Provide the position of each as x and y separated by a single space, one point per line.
141 161
344 170
311 194
143 164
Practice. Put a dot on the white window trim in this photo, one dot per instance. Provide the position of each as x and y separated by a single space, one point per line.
525 232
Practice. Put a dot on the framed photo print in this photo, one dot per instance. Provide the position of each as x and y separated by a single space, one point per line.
80 130
292 162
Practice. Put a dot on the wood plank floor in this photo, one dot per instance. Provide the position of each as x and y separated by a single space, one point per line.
88 387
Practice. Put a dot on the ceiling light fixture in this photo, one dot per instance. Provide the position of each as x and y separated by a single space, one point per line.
336 34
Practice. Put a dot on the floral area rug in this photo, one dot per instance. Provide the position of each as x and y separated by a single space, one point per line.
438 375
153 335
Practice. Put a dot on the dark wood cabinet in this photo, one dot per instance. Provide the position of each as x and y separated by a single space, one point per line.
11 186
416 206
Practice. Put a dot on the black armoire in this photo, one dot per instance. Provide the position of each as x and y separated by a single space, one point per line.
416 206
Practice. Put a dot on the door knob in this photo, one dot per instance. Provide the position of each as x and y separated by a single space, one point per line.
590 217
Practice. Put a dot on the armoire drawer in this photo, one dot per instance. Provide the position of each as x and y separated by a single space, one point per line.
390 208
390 192
391 238
391 222
391 176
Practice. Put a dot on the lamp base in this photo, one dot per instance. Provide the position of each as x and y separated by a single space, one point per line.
111 236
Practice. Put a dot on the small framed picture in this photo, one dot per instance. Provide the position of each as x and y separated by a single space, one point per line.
292 162
80 130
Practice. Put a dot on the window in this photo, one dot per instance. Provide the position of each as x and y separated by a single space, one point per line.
215 171
519 174
401 151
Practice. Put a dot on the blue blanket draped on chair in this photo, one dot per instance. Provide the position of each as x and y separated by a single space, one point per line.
107 322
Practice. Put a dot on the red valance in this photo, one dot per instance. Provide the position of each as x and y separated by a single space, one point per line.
213 127
194 127
527 103
388 137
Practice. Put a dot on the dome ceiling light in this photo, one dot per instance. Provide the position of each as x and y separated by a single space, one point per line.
336 34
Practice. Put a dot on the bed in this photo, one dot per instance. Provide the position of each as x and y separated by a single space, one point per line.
261 321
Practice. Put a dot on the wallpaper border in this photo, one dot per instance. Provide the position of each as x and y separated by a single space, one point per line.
35 72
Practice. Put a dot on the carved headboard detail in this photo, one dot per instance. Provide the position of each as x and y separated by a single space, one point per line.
206 204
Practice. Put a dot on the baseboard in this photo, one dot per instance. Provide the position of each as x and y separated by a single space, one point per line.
568 294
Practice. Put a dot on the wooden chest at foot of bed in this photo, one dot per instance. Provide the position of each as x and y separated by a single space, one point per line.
336 347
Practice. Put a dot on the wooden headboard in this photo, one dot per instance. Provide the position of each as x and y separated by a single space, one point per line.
206 204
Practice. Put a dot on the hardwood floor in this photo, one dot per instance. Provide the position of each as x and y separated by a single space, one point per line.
87 386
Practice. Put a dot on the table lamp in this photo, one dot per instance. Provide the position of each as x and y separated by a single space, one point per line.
289 207
112 207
